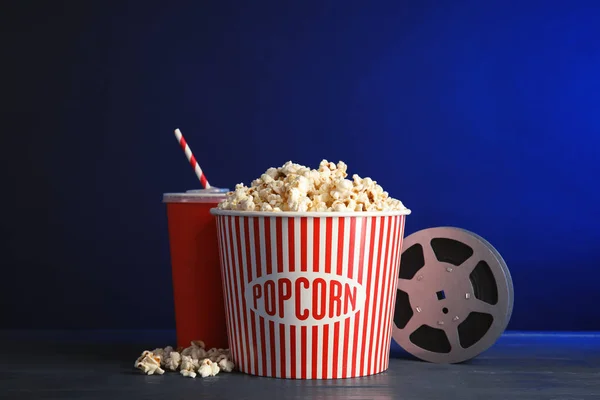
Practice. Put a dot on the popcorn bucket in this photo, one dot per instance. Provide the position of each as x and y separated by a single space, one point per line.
310 295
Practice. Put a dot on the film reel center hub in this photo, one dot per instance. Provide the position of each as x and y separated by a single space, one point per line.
454 297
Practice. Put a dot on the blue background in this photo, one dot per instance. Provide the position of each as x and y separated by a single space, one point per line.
477 114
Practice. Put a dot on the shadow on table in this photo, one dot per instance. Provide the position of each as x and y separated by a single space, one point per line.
398 352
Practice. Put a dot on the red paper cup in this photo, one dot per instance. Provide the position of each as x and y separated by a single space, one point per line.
197 288
310 295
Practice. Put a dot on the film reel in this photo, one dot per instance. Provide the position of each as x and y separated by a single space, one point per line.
454 297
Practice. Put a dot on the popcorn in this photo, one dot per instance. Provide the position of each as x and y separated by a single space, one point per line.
188 366
163 354
172 362
188 374
208 368
149 363
190 361
196 350
214 368
198 343
293 187
226 365
213 353
159 353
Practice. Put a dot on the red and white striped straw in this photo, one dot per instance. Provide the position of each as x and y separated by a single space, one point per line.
191 159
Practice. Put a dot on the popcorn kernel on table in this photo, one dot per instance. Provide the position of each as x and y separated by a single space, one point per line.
173 361
190 361
226 365
188 374
215 368
208 368
149 363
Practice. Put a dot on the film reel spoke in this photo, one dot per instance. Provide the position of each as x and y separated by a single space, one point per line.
476 305
467 267
414 323
428 253
405 285
453 338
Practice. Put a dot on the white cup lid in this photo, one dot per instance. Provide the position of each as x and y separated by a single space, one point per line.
196 196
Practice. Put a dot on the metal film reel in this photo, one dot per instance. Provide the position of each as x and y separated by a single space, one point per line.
454 297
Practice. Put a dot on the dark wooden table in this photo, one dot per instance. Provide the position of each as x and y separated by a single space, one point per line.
99 365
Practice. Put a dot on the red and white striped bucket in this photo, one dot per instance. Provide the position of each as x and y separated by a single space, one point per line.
310 295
